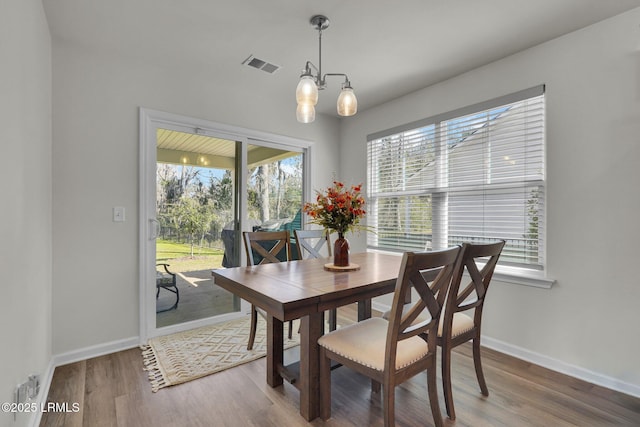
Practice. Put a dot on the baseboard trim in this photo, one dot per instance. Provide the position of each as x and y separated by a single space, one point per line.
95 351
379 306
562 367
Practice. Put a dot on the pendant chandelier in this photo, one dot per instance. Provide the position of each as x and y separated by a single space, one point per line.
309 84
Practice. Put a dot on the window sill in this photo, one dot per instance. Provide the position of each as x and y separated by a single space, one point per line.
515 275
523 276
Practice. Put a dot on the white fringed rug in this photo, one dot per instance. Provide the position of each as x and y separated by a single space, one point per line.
185 356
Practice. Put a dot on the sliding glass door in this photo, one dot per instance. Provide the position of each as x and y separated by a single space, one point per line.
201 186
196 209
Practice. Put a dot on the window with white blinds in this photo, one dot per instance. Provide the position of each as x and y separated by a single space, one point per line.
471 175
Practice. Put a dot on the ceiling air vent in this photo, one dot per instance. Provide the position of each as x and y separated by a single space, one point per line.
265 66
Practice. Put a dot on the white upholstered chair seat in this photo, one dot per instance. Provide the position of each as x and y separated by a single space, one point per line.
461 322
365 342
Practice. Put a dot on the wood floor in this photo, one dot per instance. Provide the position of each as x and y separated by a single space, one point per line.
113 390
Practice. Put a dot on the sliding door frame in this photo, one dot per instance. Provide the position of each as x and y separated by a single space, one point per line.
150 121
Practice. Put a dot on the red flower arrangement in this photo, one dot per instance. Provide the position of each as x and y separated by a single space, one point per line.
339 208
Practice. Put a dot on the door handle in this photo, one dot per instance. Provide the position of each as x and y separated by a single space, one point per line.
154 228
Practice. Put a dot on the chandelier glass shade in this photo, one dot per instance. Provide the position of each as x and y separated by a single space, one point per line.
305 113
307 90
347 102
310 84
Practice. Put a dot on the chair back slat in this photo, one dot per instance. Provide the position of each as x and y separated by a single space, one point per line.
473 294
270 246
310 242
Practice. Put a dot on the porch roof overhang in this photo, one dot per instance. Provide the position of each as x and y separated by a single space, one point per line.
205 151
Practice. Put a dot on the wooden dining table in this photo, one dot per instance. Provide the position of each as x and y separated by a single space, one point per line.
304 290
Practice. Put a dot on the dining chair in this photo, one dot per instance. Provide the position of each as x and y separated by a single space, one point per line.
311 244
456 327
391 352
264 247
478 261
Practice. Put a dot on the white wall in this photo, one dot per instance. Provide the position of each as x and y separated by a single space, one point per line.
95 167
588 320
25 217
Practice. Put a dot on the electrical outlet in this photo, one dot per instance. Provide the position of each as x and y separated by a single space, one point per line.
33 386
21 393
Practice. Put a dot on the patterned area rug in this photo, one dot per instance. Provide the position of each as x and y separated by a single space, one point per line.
185 356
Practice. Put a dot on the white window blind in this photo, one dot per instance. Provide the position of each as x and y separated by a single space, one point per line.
472 175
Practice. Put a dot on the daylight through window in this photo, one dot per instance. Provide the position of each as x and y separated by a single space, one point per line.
472 175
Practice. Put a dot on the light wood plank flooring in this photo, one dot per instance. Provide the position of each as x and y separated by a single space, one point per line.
113 390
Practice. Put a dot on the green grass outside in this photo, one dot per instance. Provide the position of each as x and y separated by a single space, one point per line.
179 256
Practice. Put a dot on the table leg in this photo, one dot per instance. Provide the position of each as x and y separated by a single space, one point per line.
310 331
275 344
364 309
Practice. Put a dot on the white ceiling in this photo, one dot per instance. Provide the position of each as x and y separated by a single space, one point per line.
388 48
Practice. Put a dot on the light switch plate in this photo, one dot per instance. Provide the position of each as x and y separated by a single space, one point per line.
118 214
